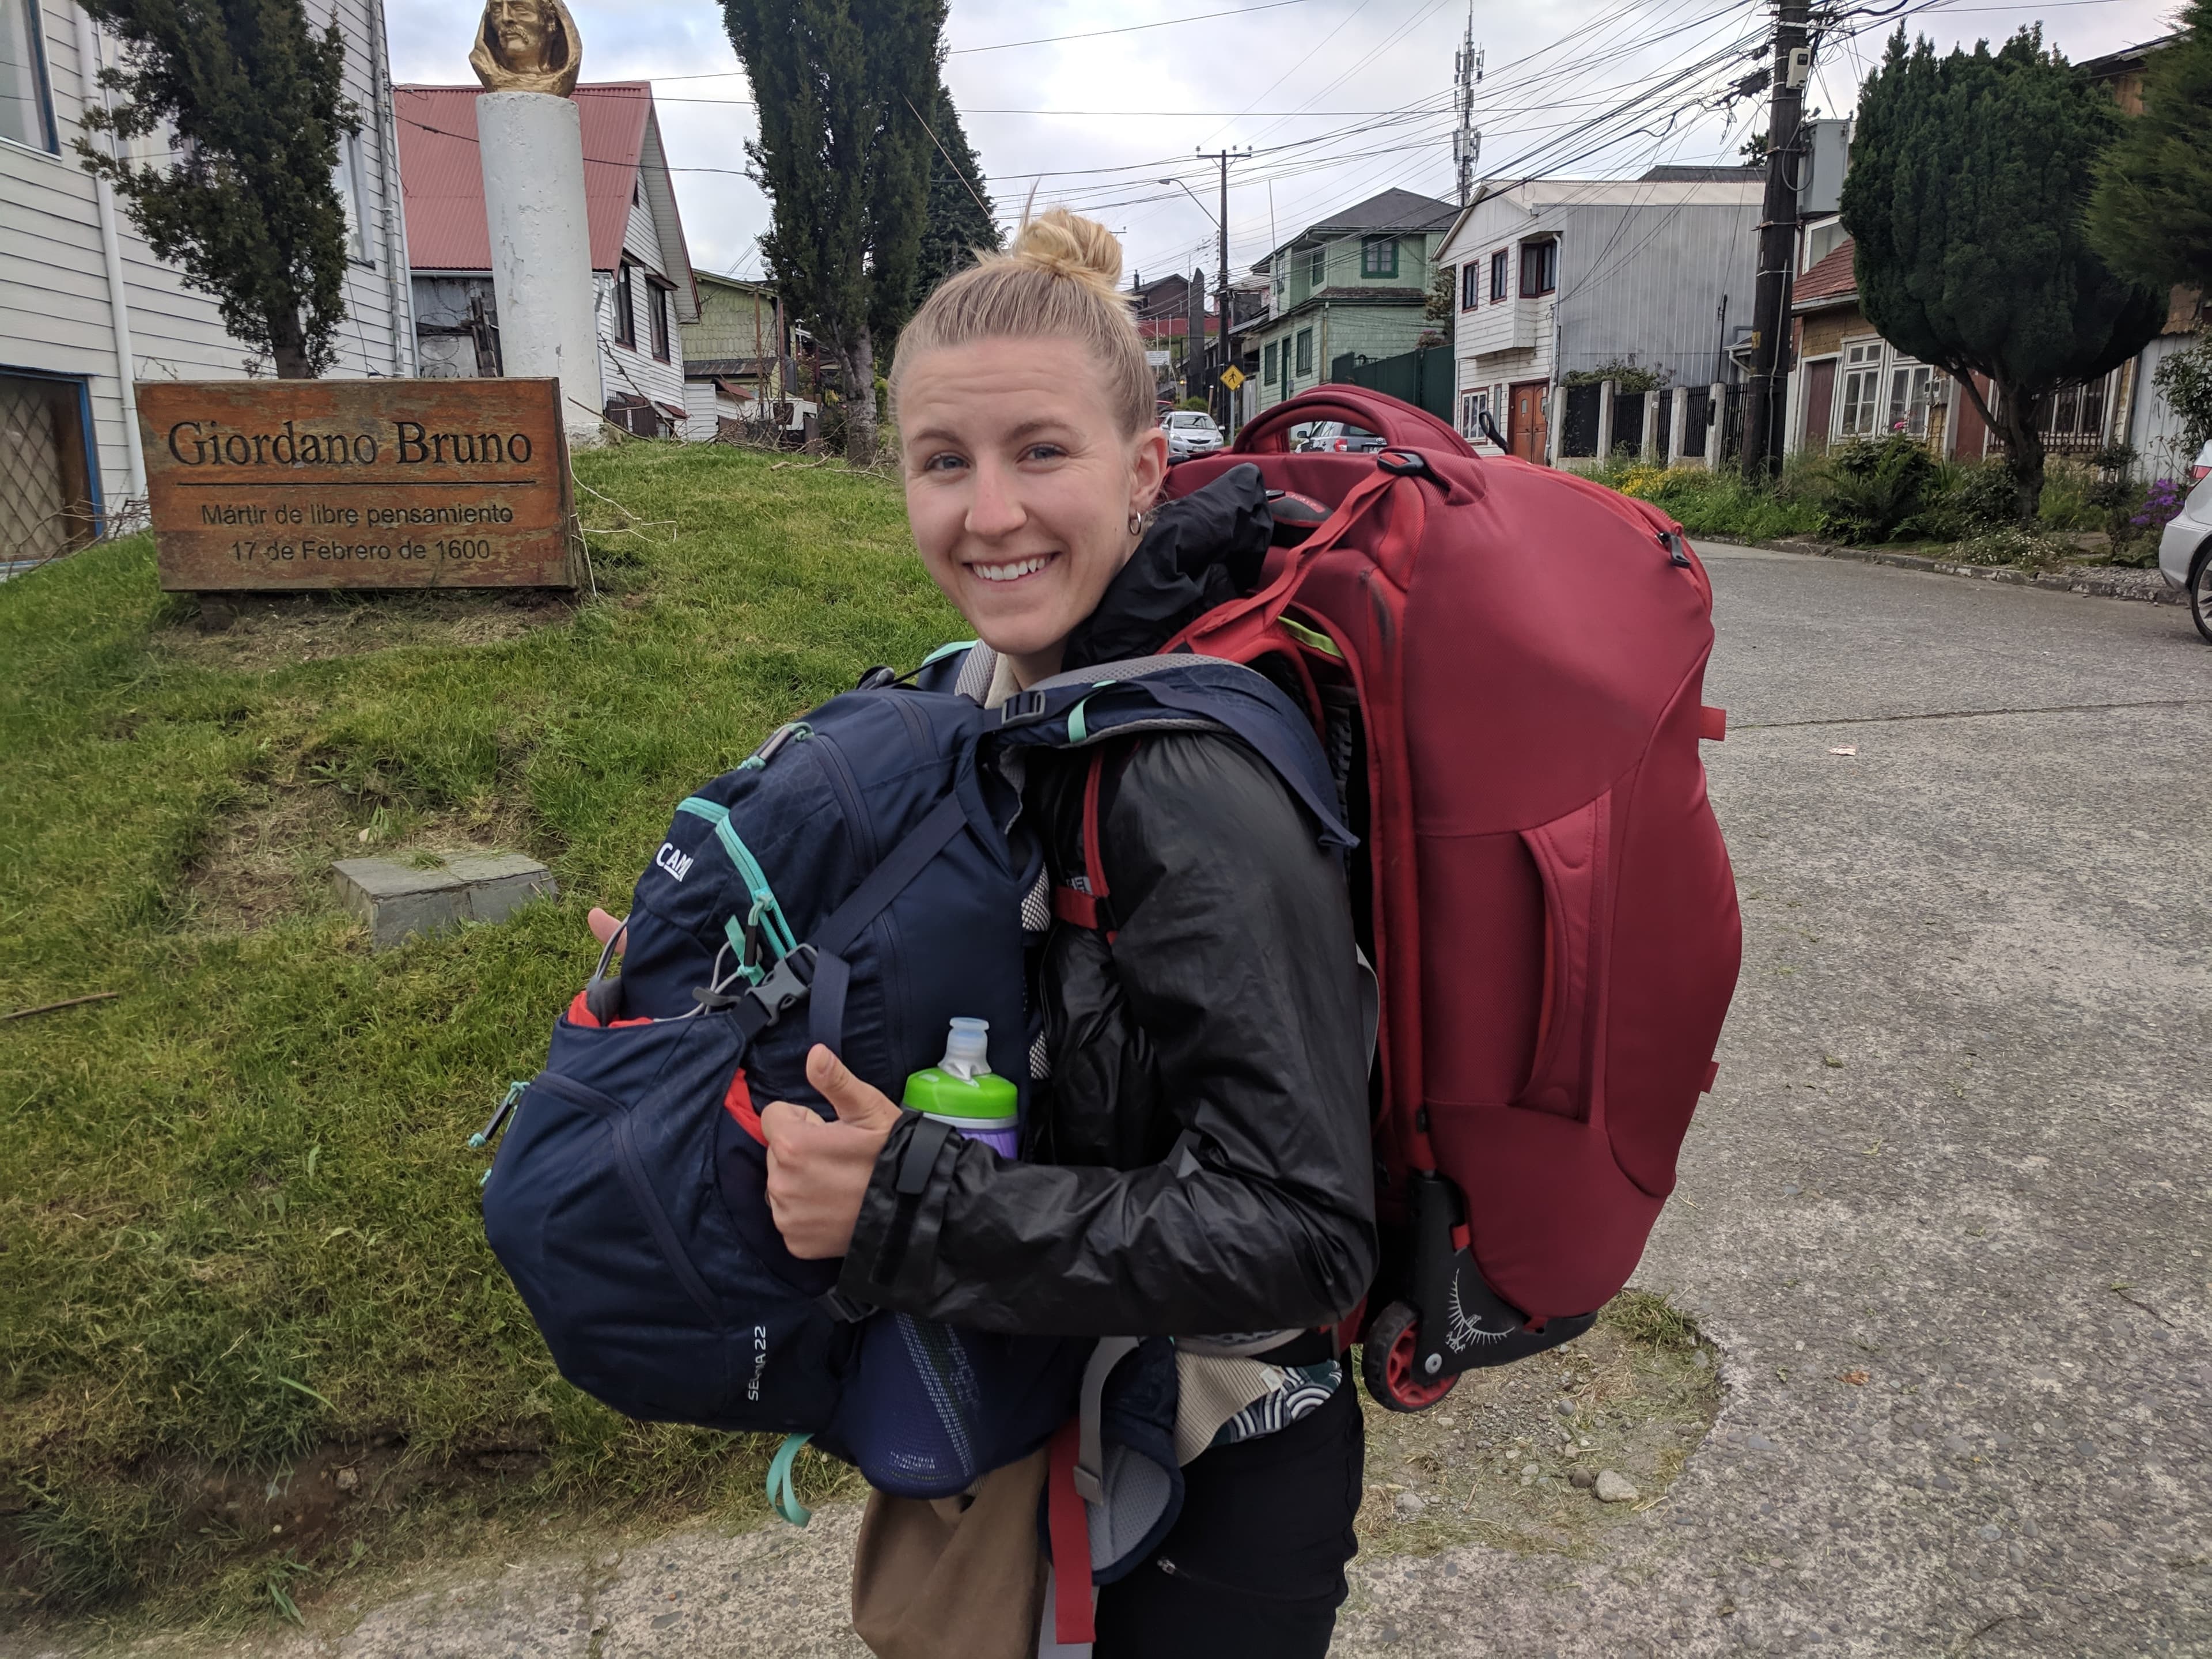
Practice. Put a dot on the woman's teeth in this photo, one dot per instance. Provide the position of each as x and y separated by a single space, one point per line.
1015 571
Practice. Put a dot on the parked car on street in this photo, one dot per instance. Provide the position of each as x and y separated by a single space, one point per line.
1336 438
2184 550
1191 432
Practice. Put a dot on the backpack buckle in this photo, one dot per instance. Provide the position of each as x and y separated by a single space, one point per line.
786 986
1022 708
1404 463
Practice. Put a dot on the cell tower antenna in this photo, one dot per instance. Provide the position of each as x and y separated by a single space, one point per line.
1467 143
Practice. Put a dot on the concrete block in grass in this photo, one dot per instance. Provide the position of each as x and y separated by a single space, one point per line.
397 900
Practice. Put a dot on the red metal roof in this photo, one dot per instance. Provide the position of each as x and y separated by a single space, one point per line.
441 180
1830 278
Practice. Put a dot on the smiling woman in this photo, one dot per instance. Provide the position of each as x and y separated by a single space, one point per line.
1193 1158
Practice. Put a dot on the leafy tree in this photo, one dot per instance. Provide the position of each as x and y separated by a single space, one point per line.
247 207
1968 177
1754 149
840 87
1440 306
958 224
2152 212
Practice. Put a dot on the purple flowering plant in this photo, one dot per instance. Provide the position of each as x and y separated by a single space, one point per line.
2160 503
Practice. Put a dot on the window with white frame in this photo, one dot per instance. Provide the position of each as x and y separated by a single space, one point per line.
1470 285
1500 266
347 178
1860 379
27 109
1473 407
1910 388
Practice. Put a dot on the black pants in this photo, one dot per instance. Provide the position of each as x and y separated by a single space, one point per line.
1255 1565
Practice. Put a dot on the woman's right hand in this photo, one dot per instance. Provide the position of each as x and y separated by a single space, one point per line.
604 928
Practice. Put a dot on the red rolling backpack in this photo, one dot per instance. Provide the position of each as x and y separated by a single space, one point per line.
1505 665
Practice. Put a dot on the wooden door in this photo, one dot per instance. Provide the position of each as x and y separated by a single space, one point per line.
1820 402
1529 436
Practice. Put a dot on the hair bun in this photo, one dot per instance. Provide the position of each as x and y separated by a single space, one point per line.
1068 244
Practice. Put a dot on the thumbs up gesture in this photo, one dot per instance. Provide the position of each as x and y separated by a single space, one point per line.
817 1172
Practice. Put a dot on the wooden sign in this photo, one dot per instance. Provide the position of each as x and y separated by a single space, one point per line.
281 484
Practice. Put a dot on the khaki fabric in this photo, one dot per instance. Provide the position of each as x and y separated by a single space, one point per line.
1210 1389
953 1577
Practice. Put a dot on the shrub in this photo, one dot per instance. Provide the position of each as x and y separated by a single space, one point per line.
1875 490
1720 504
2012 544
1982 497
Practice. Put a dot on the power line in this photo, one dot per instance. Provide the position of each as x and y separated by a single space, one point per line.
1129 28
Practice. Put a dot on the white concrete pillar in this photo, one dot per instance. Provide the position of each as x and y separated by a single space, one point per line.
1652 416
1604 422
533 147
1678 423
1716 414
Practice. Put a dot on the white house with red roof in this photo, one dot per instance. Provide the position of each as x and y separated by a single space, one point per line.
643 268
86 310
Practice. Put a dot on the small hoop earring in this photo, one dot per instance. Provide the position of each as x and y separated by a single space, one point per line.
1136 522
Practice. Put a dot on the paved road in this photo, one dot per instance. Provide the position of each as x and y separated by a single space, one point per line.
1996 1209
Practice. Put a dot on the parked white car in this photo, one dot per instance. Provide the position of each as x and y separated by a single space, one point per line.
2185 551
1191 432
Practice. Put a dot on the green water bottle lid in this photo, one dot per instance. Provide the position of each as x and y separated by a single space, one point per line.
962 1085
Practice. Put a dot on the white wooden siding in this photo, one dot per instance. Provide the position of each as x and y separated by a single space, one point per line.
635 371
55 313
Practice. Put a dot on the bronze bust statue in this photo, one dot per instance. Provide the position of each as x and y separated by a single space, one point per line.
527 46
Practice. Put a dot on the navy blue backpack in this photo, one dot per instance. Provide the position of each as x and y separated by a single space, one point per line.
851 883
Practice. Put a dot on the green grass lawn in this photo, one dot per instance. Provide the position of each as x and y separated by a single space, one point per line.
239 1218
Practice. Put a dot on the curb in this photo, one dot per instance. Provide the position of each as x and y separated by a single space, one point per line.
2101 587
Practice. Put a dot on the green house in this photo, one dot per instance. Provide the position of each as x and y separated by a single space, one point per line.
1353 283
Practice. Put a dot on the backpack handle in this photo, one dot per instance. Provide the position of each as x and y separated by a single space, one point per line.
1400 423
1238 630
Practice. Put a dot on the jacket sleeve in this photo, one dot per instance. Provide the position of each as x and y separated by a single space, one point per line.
1236 959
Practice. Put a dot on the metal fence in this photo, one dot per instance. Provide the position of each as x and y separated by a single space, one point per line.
1425 379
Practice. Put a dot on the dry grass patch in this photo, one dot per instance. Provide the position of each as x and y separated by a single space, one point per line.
1493 1462
277 630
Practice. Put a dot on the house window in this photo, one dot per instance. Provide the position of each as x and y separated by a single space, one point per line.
1267 365
1378 255
1317 267
1305 352
27 109
346 179
1909 386
1862 382
1470 284
1540 268
1473 406
625 308
1498 266
2072 418
658 315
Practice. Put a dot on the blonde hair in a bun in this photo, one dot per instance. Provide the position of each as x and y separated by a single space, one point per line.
1059 280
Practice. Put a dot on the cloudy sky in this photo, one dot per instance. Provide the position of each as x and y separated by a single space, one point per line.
1338 99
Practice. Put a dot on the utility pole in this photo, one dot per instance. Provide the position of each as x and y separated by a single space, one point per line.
1218 399
1764 399
1467 143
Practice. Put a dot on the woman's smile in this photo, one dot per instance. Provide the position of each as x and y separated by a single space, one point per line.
1015 570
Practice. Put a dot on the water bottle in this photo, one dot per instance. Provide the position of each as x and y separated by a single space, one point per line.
962 1091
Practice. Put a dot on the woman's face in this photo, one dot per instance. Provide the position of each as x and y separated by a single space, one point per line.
1020 488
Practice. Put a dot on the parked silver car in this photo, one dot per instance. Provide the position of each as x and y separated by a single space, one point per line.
2184 550
1191 432
1335 438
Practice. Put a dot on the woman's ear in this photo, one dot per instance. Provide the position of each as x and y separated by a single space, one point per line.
1148 469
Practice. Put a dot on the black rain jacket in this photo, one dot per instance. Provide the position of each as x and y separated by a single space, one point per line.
1198 1161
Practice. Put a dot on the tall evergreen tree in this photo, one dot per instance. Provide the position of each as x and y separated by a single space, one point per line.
247 207
839 86
1968 179
2152 214
958 223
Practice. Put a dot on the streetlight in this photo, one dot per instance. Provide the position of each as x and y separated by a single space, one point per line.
1193 196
